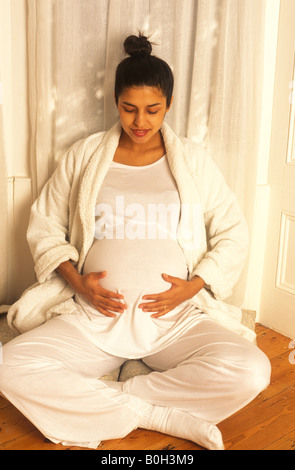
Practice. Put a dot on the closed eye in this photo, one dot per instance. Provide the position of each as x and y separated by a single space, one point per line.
132 111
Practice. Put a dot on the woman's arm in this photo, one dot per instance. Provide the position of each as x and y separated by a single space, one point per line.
48 230
226 230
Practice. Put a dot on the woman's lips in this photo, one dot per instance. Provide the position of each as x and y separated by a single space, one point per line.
140 132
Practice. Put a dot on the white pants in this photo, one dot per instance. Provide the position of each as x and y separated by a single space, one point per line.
51 375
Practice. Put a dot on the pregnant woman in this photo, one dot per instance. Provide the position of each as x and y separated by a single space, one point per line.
136 240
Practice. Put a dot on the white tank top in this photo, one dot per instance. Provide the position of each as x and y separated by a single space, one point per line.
135 241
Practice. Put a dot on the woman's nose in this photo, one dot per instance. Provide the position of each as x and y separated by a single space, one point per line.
140 119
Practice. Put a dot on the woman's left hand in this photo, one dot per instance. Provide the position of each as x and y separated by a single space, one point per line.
180 291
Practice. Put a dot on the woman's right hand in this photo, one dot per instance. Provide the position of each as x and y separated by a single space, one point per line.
88 286
102 299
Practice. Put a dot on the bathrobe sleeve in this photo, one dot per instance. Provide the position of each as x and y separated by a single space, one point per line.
48 230
226 230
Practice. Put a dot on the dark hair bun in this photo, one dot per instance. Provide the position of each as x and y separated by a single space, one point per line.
136 46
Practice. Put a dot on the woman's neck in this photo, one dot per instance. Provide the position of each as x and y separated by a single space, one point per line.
132 153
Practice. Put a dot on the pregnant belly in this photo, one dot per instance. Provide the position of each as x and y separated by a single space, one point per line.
135 268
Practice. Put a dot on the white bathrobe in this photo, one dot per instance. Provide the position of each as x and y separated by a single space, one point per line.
62 228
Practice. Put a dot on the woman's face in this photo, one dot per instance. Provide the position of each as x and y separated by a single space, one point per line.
142 111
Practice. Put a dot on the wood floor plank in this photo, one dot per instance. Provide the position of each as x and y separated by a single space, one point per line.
260 328
12 424
257 429
273 343
3 402
282 375
141 439
286 442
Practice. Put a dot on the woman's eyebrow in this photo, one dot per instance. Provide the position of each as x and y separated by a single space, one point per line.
148 106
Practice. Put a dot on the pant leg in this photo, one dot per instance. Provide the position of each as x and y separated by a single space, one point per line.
51 375
210 372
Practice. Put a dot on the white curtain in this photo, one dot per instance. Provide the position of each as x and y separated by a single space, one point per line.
227 88
4 212
215 48
4 247
226 94
74 48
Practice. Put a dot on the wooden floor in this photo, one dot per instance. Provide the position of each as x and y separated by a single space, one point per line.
268 423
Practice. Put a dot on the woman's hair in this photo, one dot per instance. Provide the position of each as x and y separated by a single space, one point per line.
143 69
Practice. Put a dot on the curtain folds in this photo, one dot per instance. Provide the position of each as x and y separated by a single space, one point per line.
41 50
226 94
226 90
4 268
214 47
89 45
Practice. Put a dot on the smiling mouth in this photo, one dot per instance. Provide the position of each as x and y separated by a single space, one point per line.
140 132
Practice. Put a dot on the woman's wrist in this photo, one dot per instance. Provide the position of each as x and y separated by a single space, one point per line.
70 274
196 284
